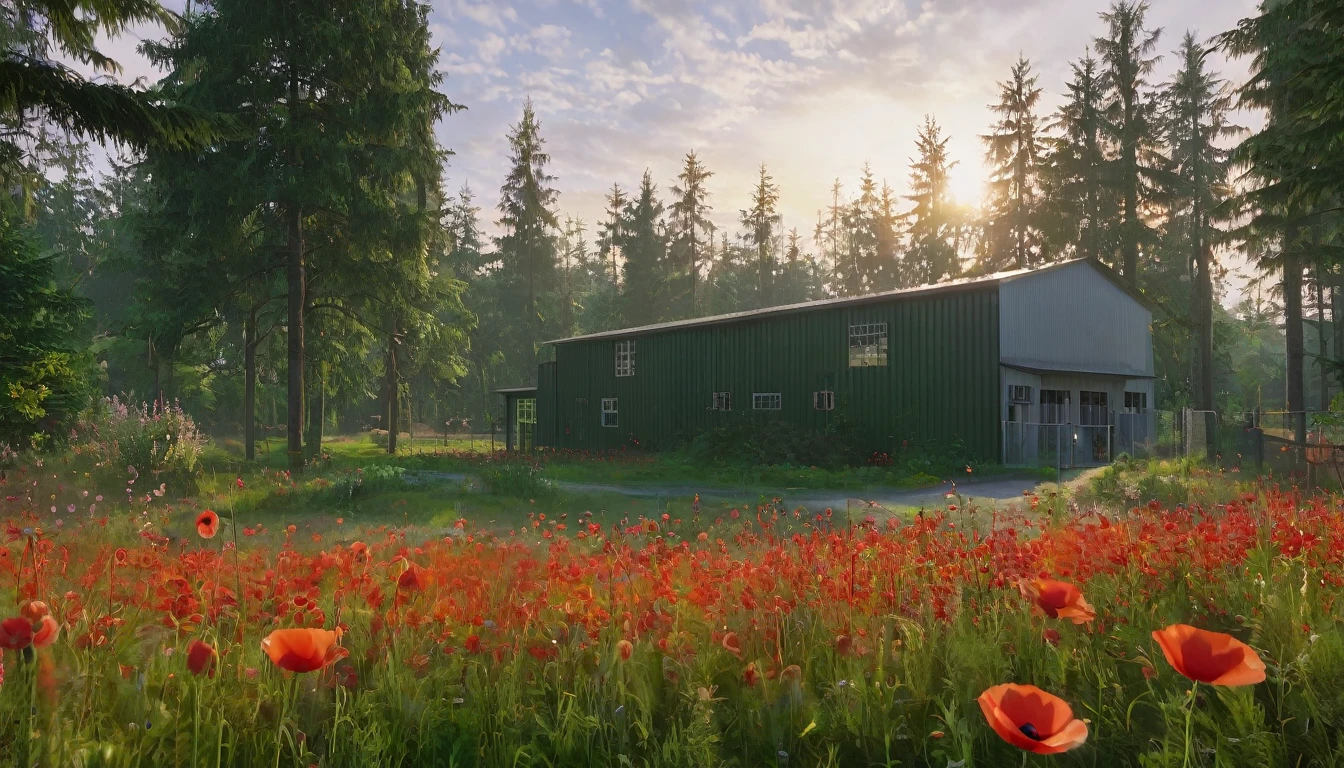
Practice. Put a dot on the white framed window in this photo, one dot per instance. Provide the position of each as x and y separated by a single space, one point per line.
823 400
867 345
767 401
1136 402
625 358
610 416
1019 393
723 401
527 410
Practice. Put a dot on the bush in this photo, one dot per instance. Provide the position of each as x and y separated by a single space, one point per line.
753 440
519 479
162 442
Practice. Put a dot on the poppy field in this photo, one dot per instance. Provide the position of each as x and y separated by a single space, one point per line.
153 631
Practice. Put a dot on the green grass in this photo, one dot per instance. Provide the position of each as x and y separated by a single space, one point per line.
672 468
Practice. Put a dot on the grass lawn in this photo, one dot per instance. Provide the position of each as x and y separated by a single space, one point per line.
464 454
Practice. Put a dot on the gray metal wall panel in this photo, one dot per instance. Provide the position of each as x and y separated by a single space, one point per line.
1073 318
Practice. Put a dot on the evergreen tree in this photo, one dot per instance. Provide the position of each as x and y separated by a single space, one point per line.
1013 150
1129 124
610 238
1196 122
931 224
526 246
859 262
887 271
1079 212
646 271
692 230
760 222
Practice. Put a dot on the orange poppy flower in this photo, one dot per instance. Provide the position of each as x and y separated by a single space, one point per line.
34 610
302 650
1059 600
625 649
201 658
207 524
1210 657
750 676
1031 719
46 631
16 633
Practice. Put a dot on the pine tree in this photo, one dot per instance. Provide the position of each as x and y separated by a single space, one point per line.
931 226
760 222
1128 123
1014 151
528 222
645 269
610 238
692 230
1196 104
1079 211
858 263
886 272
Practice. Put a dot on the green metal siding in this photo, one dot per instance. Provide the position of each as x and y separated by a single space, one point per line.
546 404
940 382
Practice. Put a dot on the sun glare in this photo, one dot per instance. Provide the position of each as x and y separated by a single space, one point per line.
966 183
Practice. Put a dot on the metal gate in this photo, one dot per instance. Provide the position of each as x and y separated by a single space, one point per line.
1064 446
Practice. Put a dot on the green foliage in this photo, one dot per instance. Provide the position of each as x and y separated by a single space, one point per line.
45 372
518 478
159 443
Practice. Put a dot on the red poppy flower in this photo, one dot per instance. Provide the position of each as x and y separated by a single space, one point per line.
625 649
201 658
732 645
1059 600
1031 719
472 644
16 633
207 524
1210 657
414 578
302 650
750 676
47 630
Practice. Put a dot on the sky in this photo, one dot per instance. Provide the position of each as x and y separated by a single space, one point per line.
811 88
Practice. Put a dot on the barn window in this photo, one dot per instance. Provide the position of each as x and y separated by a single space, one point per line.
823 400
867 345
767 401
1136 402
723 401
625 358
1092 408
1054 406
527 410
610 417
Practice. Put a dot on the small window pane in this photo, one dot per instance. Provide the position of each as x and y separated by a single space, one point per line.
1054 406
767 401
625 358
1136 402
527 410
823 400
723 401
867 345
610 416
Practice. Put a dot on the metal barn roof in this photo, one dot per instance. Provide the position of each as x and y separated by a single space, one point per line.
870 298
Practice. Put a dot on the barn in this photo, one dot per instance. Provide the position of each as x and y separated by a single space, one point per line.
1053 364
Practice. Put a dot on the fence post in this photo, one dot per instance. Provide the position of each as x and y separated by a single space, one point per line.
1258 436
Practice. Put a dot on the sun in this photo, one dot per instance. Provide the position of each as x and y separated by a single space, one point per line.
966 183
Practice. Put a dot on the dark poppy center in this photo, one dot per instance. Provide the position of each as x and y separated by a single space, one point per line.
1030 731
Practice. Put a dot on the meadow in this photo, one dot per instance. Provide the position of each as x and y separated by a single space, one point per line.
260 620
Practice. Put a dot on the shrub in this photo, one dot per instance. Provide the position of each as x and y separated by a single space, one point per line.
753 440
162 442
519 479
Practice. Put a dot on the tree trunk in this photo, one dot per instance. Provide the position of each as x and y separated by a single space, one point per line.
1292 316
316 410
294 342
1322 352
250 386
393 411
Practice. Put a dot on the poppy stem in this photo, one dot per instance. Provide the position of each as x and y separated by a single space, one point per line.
1189 716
